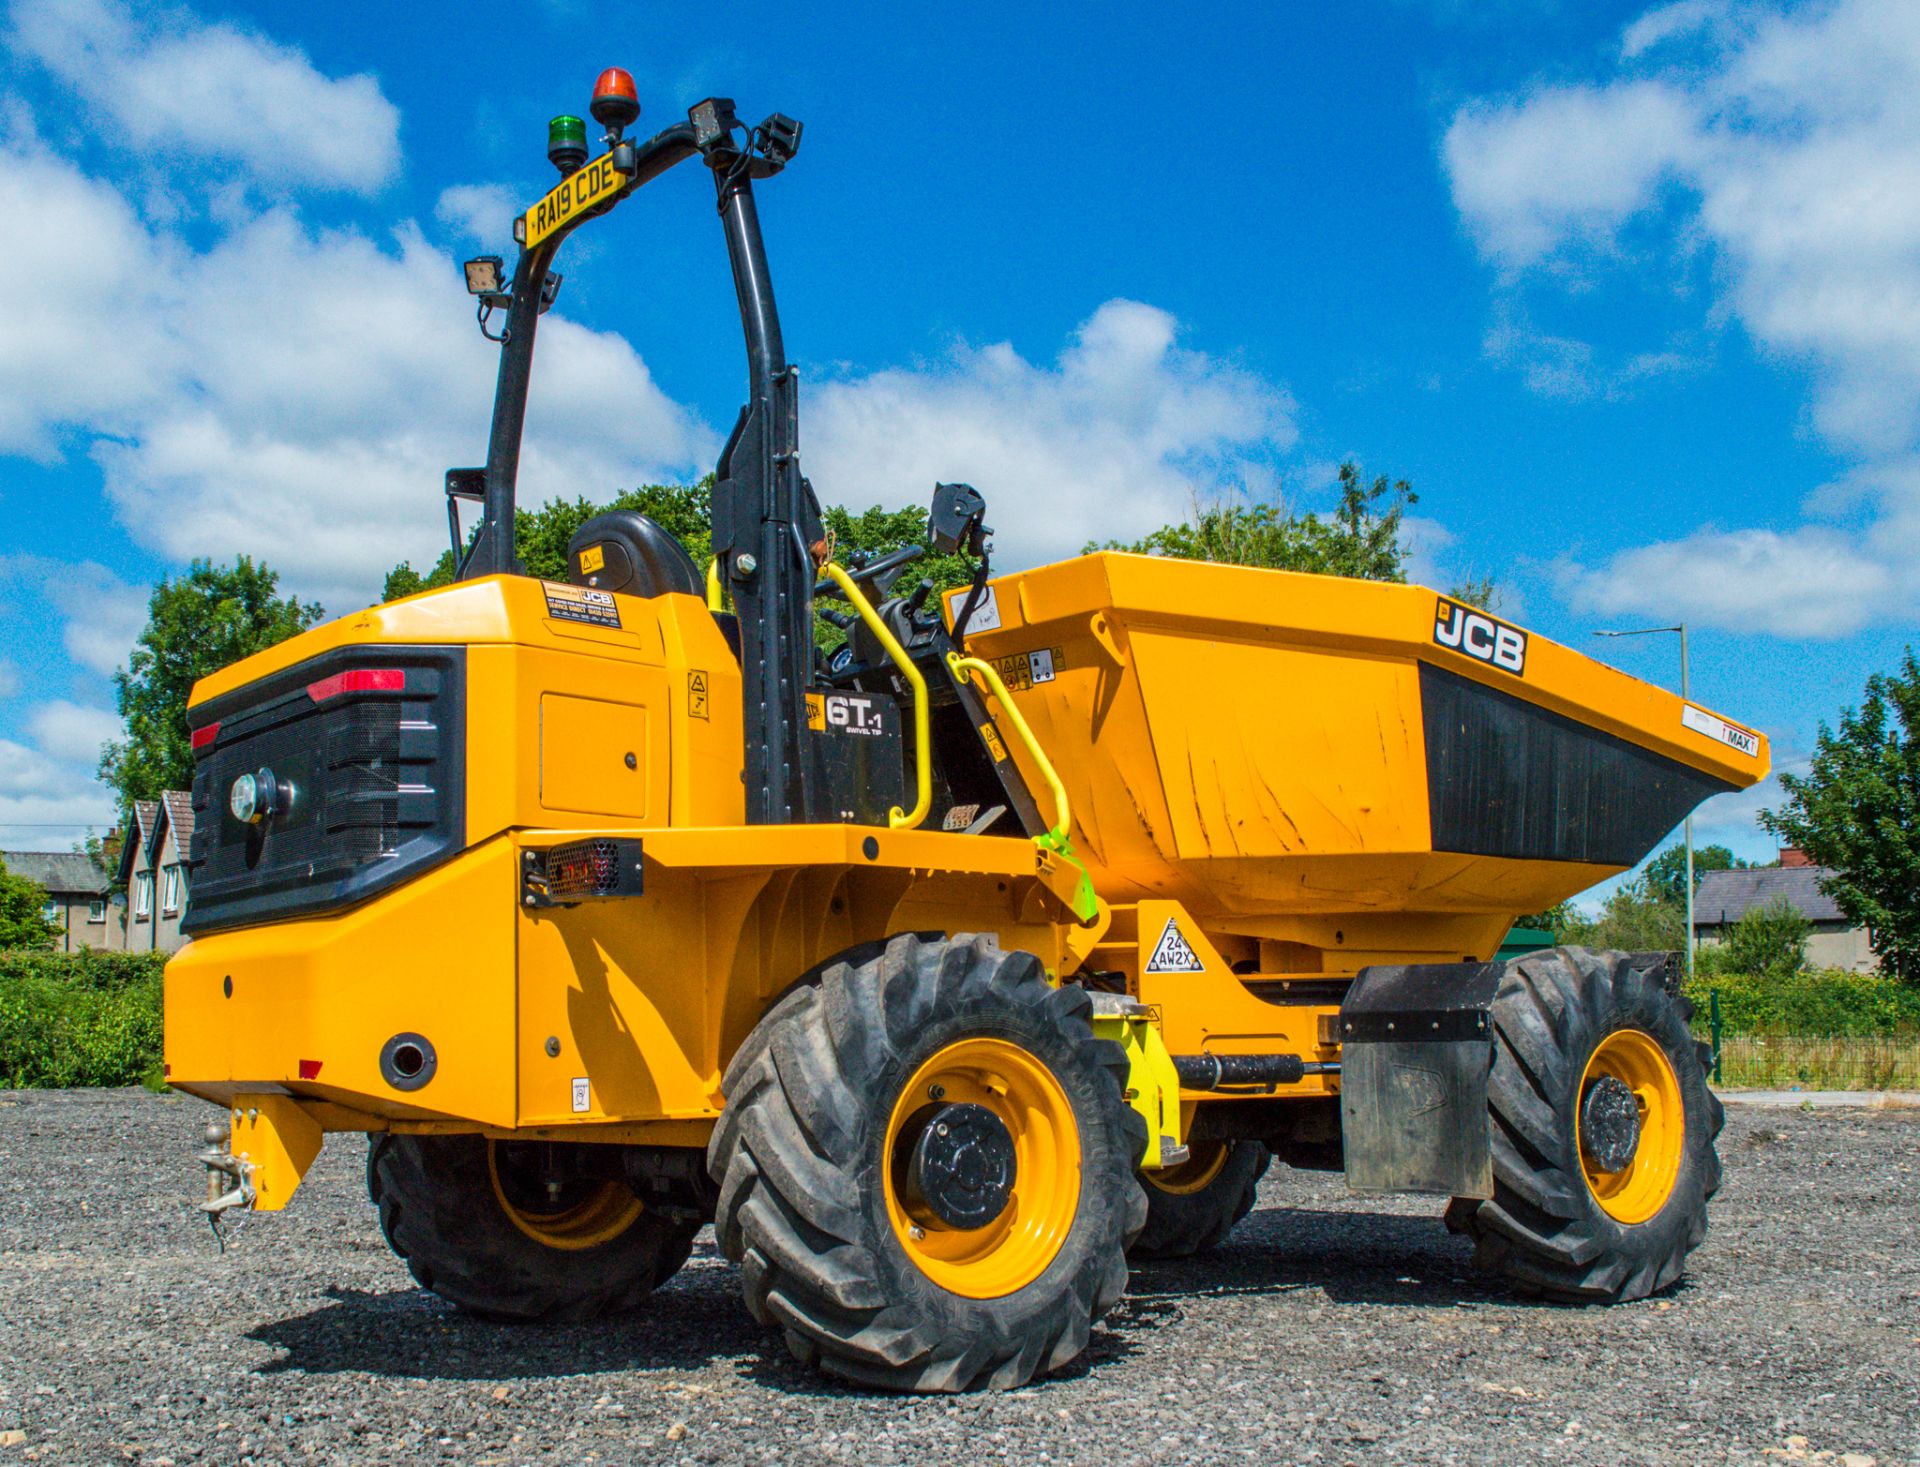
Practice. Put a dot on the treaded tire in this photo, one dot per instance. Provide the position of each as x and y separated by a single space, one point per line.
1544 1228
1180 1224
440 1213
798 1157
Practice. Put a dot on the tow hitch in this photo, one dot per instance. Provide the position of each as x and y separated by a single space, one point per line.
256 1157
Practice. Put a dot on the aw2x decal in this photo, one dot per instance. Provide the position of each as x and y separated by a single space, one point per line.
1484 638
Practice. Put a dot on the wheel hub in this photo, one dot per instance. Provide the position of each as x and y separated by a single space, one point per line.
962 1166
1609 1124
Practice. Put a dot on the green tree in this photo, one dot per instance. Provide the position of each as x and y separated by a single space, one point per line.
1666 873
196 624
1634 918
1768 941
1361 539
1557 919
23 913
1857 811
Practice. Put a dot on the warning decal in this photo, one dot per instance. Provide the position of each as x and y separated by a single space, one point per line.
1173 953
696 694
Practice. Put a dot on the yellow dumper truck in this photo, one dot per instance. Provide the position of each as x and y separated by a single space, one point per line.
946 967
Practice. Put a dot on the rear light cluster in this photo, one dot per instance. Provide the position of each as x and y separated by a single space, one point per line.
360 680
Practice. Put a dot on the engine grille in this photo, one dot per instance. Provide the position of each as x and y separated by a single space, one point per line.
365 747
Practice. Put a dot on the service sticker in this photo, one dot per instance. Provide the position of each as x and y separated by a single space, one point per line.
577 603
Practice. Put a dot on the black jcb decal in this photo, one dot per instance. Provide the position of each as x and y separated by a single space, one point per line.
1484 638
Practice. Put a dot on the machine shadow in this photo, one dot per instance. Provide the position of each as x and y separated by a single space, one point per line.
1350 1257
696 1319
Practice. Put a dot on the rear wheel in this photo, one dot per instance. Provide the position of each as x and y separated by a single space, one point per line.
926 1169
1603 1131
1192 1207
477 1224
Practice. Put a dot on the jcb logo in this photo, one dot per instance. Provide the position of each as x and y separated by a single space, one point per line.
1485 638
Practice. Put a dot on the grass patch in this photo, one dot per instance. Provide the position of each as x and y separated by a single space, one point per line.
77 1019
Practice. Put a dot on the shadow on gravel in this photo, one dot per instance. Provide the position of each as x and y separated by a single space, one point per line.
1350 1257
407 1332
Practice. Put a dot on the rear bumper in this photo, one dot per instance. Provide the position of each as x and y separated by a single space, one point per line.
307 1006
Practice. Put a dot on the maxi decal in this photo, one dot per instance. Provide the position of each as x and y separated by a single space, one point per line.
1484 638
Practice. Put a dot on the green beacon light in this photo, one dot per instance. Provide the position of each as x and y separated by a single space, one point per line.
567 143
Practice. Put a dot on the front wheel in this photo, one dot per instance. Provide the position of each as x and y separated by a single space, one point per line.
926 1169
1603 1131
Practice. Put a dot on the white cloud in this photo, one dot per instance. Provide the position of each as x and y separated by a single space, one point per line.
481 212
46 803
1120 434
1810 582
302 390
73 732
83 343
170 80
1568 164
102 614
1786 144
9 678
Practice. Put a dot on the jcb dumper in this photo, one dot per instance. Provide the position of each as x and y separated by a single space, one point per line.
945 967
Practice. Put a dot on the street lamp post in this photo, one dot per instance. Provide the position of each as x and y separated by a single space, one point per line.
1685 692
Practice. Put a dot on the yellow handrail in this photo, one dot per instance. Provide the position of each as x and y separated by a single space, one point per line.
716 593
922 730
1063 814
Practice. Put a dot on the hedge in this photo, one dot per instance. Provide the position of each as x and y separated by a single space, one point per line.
1828 1003
82 1018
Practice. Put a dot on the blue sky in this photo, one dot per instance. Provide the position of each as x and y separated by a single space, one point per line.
1630 293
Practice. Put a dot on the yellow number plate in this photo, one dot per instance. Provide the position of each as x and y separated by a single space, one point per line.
592 186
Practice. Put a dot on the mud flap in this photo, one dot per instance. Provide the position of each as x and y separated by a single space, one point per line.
1416 1049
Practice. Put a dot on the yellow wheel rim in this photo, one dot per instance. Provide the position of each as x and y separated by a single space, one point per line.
597 1214
1196 1173
1641 1188
1015 1248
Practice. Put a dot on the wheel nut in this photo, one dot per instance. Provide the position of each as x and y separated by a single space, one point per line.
917 1233
936 1092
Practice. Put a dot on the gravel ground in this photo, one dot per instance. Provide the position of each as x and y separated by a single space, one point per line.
1330 1329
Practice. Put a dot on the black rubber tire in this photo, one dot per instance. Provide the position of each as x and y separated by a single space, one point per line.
797 1157
439 1212
1181 1224
1544 1229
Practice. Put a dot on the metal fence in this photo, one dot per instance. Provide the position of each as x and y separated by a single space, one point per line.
1776 1061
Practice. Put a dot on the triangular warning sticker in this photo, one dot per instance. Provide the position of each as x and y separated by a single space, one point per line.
1174 954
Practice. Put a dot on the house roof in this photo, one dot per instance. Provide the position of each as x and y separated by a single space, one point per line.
177 808
62 873
1726 896
145 813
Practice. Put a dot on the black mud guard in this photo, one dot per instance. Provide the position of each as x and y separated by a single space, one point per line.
1416 1050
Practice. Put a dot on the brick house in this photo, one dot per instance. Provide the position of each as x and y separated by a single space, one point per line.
153 871
78 897
1723 897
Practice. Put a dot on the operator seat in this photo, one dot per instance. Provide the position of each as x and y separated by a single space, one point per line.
626 551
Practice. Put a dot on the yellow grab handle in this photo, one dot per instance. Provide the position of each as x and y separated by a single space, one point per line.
716 593
1063 814
922 731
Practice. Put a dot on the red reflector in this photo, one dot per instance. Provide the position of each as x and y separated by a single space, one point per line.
165 1070
360 680
204 735
309 1069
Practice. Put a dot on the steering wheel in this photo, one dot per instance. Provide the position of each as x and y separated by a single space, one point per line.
880 574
